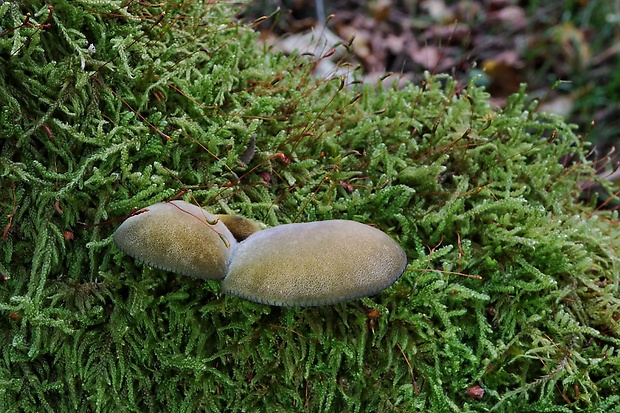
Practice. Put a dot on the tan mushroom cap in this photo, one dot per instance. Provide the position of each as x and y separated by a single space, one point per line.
317 263
175 236
241 227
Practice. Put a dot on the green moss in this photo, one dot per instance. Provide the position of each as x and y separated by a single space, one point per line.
511 284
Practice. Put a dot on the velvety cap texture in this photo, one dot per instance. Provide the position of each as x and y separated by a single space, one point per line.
175 236
317 263
241 227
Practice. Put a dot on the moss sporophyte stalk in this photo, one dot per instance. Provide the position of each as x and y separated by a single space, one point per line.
511 284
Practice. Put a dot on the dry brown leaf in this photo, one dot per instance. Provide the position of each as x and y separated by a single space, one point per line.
560 105
427 56
438 10
504 71
380 9
512 17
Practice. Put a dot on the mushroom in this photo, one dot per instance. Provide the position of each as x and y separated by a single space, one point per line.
179 237
317 263
241 227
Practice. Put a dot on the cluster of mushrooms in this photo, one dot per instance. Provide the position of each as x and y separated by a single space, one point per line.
309 264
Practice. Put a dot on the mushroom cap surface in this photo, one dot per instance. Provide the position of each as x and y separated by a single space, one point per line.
317 263
241 227
175 236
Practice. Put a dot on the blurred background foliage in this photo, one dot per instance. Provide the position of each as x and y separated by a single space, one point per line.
502 42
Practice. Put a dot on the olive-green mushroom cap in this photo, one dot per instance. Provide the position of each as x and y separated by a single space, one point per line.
241 227
317 263
175 236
